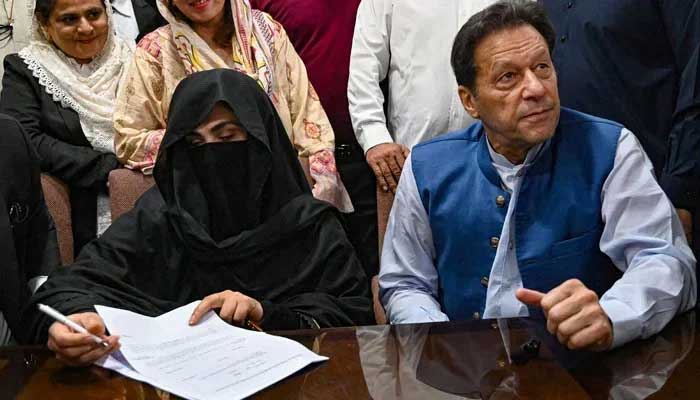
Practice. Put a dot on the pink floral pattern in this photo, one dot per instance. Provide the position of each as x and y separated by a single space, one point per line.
152 146
312 129
322 163
151 43
328 186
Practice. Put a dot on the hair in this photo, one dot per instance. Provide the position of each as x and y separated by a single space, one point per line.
223 37
44 8
495 18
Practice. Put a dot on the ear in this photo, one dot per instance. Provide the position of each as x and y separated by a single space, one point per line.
468 101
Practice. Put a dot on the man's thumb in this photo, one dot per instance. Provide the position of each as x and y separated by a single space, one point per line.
529 297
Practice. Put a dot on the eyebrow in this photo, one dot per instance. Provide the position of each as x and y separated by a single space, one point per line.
505 64
78 12
219 126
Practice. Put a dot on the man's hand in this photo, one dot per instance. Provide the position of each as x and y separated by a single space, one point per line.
573 314
386 160
687 221
79 349
235 307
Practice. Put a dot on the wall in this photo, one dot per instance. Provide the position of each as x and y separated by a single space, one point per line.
21 28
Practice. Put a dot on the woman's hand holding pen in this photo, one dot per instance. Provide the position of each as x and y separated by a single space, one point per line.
80 349
235 308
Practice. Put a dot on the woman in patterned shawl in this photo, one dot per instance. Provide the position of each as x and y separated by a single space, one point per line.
209 34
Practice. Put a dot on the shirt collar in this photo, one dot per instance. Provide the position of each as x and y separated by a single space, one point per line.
501 161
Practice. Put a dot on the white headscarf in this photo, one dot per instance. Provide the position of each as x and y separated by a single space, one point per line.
89 89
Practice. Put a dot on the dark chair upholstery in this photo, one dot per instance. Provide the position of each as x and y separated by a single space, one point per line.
57 197
125 187
384 203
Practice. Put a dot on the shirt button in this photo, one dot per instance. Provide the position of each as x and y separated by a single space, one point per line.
484 281
500 201
494 242
563 38
476 315
570 4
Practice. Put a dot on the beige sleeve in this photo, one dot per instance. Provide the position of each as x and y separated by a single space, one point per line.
311 129
312 134
139 119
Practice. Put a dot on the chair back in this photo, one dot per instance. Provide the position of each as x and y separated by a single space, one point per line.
125 187
384 202
57 197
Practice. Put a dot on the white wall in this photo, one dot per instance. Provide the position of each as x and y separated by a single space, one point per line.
21 28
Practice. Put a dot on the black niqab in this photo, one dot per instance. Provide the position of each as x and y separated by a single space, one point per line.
292 253
274 175
222 172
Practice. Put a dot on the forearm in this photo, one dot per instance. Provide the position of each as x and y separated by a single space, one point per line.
412 306
141 112
648 296
369 65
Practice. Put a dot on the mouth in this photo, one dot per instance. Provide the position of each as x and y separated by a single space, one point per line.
537 114
199 4
86 41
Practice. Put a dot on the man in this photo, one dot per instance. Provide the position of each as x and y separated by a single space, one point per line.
408 43
638 63
28 245
534 205
135 18
321 31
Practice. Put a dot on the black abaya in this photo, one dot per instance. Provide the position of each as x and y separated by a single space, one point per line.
294 256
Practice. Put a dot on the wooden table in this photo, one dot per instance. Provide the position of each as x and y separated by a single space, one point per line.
453 360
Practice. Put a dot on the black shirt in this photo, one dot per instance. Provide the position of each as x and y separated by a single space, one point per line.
637 62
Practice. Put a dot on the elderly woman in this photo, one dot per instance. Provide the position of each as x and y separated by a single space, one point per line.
62 89
231 221
203 35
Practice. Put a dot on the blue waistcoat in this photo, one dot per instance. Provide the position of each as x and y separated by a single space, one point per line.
557 218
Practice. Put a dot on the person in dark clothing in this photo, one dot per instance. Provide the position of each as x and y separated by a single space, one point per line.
28 246
62 89
322 32
638 63
231 220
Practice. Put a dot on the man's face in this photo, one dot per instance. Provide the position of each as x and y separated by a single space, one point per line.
516 94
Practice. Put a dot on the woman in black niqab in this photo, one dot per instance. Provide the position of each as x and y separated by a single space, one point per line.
235 216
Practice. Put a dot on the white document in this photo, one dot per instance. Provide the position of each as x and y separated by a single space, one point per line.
211 360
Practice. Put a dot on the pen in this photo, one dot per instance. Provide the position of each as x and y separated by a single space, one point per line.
252 325
67 322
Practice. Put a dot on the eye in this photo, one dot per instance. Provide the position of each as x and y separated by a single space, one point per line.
543 70
94 14
507 77
68 19
194 139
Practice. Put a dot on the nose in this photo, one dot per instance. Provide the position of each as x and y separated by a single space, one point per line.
533 87
84 26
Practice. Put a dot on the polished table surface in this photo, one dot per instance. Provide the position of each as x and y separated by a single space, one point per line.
454 360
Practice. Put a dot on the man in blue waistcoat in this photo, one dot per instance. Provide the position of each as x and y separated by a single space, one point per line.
533 207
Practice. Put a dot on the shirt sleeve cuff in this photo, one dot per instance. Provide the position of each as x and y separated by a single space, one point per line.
371 135
683 192
625 327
